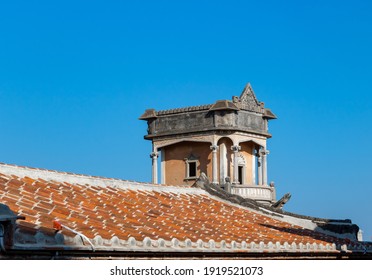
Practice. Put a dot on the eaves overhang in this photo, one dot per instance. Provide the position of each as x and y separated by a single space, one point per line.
268 114
149 114
215 129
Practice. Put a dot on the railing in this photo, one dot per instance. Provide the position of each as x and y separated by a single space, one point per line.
256 192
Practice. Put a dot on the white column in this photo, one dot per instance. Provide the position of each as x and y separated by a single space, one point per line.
253 165
214 164
154 156
259 167
162 166
265 168
264 154
236 150
223 163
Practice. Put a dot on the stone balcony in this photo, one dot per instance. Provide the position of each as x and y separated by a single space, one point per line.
261 193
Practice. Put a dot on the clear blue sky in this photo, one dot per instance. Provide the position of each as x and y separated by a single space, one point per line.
76 75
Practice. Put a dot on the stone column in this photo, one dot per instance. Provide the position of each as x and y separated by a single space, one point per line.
154 156
223 163
236 150
259 168
162 167
264 154
254 167
214 164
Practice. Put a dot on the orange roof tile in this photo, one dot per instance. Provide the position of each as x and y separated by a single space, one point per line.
136 210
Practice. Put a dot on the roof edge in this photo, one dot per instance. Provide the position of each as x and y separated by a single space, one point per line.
57 241
336 228
148 114
72 178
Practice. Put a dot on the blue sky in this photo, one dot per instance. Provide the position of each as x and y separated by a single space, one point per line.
76 75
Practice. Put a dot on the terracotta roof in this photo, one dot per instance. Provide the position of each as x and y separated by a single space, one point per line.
122 211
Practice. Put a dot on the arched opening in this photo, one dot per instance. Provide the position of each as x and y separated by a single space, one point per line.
247 163
224 156
242 166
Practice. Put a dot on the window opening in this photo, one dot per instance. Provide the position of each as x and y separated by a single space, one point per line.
240 174
191 167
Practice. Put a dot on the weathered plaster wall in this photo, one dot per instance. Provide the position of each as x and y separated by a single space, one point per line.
175 161
183 122
203 121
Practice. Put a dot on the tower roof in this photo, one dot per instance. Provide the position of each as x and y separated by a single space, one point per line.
224 105
247 102
250 117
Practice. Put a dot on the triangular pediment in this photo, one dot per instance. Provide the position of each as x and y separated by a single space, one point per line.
248 100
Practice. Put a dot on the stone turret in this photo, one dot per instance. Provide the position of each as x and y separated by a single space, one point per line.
226 139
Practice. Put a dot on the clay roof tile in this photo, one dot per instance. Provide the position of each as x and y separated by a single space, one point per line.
137 210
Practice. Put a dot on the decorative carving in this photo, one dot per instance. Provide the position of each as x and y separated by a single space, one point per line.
97 240
161 242
200 243
161 245
264 152
212 244
280 203
241 159
175 242
146 242
235 148
132 242
154 155
115 241
214 148
248 100
188 243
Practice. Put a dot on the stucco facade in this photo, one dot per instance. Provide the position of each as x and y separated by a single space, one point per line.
175 157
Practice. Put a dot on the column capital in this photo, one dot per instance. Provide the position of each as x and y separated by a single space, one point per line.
264 152
236 148
154 155
214 148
